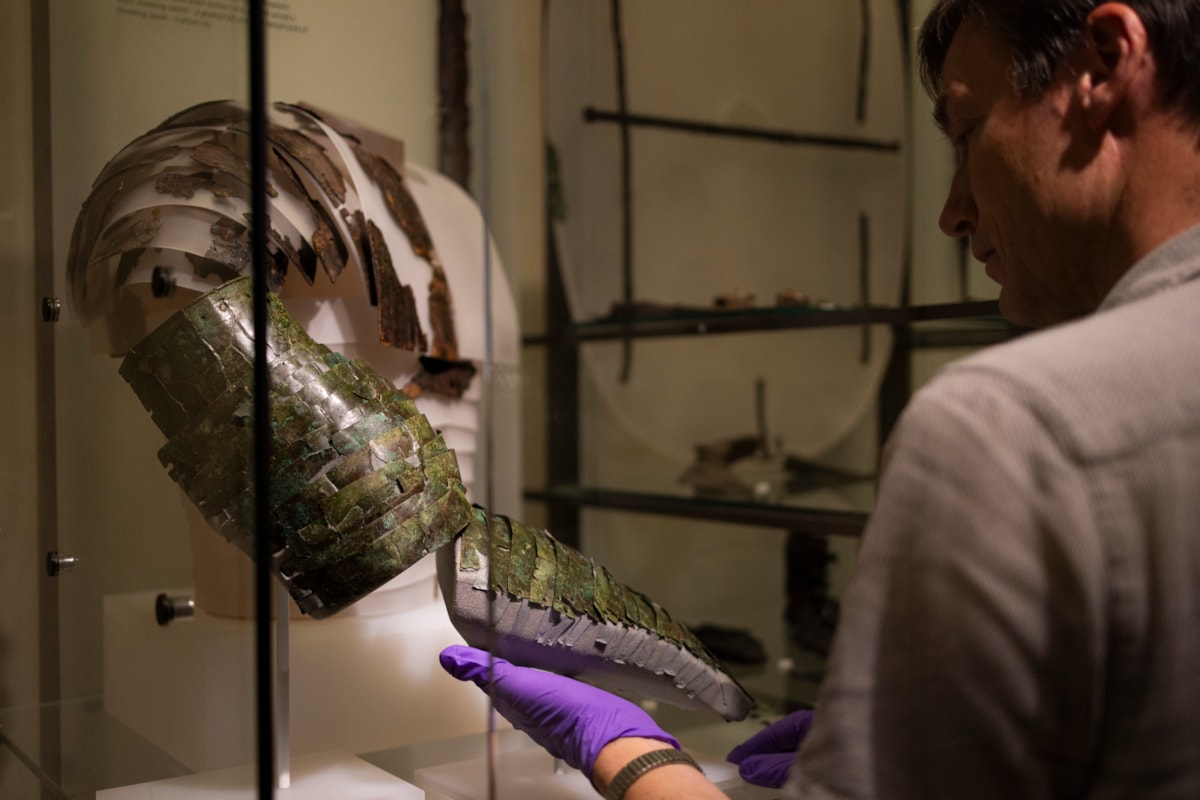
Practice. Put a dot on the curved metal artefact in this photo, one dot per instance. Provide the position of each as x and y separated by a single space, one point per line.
533 600
362 487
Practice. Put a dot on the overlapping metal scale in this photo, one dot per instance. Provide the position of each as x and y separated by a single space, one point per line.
533 600
361 485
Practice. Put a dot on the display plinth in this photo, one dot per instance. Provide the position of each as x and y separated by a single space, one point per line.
530 775
315 777
358 684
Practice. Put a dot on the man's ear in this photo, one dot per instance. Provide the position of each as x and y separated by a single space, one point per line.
1115 62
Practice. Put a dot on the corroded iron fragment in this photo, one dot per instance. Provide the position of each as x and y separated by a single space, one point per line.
218 270
314 158
399 323
400 203
185 184
407 215
133 232
361 485
224 161
441 317
330 249
536 601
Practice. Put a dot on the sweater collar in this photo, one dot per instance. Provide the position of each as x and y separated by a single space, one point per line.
1174 262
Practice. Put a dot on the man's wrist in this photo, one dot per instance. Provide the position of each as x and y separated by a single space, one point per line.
678 779
613 757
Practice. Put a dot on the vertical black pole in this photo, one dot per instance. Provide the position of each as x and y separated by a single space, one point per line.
562 395
618 36
49 672
898 379
864 282
454 148
864 60
264 690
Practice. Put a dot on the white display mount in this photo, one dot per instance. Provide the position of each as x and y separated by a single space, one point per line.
358 684
348 682
319 776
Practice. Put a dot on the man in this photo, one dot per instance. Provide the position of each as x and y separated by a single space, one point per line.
1024 621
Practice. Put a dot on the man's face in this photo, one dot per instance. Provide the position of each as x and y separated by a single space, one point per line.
1022 189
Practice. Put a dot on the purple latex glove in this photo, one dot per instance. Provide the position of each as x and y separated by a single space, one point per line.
766 757
572 720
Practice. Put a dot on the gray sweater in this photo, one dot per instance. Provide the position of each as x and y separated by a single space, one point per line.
1024 621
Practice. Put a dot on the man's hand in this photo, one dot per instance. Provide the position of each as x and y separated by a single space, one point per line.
572 720
765 759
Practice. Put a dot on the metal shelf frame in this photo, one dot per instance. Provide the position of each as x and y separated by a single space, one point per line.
976 323
815 521
688 322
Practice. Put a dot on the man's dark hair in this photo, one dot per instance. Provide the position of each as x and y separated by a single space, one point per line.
1041 33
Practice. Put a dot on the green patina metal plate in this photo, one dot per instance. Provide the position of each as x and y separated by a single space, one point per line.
361 485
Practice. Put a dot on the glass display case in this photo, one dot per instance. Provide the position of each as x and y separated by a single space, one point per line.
745 285
137 651
644 275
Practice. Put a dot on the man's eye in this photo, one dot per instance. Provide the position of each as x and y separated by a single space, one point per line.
959 143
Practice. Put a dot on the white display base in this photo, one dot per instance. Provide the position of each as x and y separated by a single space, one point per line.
358 684
316 777
530 775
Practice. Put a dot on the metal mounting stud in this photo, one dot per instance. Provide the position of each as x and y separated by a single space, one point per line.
167 608
58 563
162 282
51 309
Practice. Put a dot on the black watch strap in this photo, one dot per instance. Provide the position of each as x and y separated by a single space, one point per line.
643 764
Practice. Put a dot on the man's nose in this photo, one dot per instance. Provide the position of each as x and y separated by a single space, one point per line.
959 214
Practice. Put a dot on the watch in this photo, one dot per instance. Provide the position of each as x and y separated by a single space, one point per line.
643 764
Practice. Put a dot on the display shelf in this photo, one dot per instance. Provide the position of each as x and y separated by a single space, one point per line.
316 776
12 748
979 332
801 516
789 680
75 748
693 322
965 324
741 131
